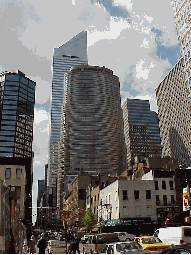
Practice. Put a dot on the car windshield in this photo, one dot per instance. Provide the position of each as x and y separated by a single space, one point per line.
127 246
151 240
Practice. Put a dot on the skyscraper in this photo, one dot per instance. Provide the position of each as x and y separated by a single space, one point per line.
182 16
72 53
141 127
17 98
174 115
92 137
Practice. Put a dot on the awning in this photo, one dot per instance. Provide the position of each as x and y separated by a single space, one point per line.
83 229
95 230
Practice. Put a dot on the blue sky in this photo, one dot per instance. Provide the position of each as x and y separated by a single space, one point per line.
136 39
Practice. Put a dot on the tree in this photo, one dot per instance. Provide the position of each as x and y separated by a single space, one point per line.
89 219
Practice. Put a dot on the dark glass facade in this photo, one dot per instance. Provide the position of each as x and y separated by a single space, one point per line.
17 99
141 128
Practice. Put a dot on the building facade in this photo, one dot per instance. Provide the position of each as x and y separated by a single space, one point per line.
174 115
72 53
165 194
17 174
17 99
92 137
141 128
182 17
128 199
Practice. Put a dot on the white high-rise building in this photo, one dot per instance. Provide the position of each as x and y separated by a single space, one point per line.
182 16
72 53
174 115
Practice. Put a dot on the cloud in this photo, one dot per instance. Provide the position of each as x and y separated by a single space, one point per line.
114 9
136 39
41 137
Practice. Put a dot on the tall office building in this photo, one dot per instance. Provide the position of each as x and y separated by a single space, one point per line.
92 137
72 53
182 16
174 115
141 128
17 98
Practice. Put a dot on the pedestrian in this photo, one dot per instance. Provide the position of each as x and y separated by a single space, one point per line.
74 246
42 244
166 222
32 243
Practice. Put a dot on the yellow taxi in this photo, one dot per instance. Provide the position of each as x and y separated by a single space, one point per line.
151 242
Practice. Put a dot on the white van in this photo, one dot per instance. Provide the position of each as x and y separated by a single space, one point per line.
174 235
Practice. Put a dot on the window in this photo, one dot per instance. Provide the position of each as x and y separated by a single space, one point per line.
149 210
137 210
94 198
172 199
157 200
18 173
136 194
163 185
165 200
156 185
18 192
82 194
148 194
7 173
171 185
125 211
125 195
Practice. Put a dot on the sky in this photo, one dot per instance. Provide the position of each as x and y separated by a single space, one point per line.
134 38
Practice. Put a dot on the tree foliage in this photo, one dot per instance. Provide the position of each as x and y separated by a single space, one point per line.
89 219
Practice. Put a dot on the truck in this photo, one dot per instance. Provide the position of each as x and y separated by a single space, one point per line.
174 235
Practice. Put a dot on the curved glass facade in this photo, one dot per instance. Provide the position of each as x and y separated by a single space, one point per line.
92 136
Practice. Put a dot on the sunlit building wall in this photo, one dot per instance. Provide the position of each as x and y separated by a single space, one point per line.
174 115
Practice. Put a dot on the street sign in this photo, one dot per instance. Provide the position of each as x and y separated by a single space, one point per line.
66 214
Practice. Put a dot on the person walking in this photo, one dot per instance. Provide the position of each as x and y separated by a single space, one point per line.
32 243
42 244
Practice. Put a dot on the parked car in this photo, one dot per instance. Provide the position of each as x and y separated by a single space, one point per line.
174 235
178 249
96 243
125 248
124 236
56 247
87 238
151 243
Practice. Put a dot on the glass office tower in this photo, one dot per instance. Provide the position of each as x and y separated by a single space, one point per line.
72 53
17 99
141 128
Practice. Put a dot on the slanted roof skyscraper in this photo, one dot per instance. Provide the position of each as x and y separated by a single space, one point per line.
72 53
